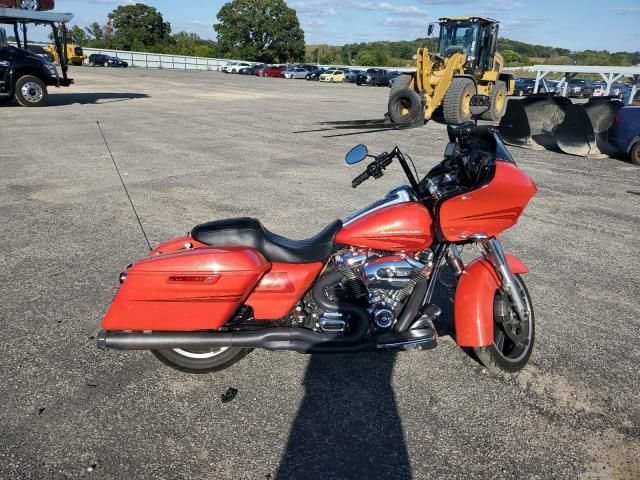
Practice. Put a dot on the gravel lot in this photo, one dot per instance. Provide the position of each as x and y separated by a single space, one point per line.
201 146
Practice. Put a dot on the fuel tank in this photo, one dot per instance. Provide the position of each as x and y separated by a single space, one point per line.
489 209
401 227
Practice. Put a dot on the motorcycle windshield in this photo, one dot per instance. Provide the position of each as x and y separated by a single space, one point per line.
501 151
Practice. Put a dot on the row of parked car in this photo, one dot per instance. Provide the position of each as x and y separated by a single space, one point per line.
371 76
577 87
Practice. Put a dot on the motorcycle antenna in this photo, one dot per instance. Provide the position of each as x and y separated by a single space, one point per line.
124 186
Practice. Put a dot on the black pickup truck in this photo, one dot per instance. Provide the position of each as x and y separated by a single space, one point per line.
25 75
373 76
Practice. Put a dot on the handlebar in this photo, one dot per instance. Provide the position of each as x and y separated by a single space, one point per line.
375 168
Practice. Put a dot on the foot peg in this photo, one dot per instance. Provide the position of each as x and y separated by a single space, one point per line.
414 337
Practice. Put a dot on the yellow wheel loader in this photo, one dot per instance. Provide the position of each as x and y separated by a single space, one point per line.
466 63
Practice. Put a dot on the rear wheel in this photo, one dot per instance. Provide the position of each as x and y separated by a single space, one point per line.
498 106
512 341
634 154
201 360
457 100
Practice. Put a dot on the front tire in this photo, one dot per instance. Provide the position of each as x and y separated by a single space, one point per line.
31 91
456 106
201 361
505 355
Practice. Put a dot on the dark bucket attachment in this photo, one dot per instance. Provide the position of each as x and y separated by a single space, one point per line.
584 130
532 121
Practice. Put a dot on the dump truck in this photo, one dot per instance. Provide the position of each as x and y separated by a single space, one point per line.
465 64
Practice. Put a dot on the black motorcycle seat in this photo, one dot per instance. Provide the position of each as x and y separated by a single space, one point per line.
249 232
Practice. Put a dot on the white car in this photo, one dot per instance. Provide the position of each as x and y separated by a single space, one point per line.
598 90
296 73
234 67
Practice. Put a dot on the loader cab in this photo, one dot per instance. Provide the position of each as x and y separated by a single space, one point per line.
476 37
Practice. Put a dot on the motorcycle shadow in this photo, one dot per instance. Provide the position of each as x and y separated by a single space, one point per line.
348 425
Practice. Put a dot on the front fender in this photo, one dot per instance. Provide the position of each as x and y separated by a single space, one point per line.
473 304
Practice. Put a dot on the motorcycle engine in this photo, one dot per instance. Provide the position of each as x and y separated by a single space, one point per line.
383 281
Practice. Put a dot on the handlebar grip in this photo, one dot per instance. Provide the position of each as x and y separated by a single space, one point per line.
359 179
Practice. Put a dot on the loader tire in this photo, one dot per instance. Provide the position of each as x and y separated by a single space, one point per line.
456 101
498 106
401 82
405 106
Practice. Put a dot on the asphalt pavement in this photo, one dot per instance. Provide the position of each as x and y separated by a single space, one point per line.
199 146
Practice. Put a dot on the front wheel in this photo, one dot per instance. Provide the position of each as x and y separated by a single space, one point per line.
201 360
31 91
512 341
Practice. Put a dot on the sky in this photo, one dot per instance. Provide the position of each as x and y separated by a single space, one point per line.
572 24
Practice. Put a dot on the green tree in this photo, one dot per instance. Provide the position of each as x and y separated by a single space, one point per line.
95 31
262 30
77 35
138 27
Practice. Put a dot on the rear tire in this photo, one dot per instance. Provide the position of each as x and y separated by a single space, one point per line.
456 101
634 154
193 361
405 107
498 106
505 356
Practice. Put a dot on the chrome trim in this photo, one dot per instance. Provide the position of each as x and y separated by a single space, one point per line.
389 274
492 250
394 197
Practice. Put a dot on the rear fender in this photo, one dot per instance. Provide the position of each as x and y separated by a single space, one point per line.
473 306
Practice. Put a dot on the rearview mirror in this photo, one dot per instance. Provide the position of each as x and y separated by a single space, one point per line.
479 104
356 154
430 29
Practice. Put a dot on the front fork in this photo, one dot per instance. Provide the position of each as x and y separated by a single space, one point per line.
492 250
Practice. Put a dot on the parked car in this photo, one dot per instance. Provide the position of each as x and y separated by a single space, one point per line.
578 87
526 86
598 90
28 4
617 90
315 74
41 52
251 69
352 74
332 76
271 71
373 76
102 60
297 72
234 67
625 133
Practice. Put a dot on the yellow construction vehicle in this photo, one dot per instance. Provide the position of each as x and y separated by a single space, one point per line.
75 54
466 63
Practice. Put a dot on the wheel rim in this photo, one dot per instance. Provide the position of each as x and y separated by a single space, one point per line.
466 103
31 92
507 348
635 152
402 106
201 354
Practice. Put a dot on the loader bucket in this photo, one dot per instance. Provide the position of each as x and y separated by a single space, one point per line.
532 121
584 129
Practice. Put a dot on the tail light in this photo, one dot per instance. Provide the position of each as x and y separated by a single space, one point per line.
617 120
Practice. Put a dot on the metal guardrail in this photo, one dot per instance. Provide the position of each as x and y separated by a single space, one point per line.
158 60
